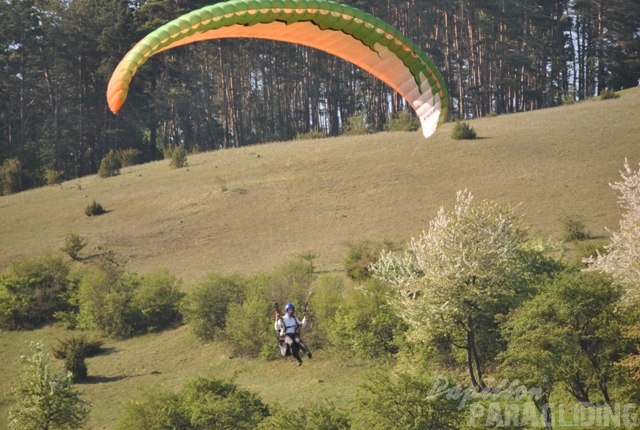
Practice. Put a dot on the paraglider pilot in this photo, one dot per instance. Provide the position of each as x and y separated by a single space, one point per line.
288 327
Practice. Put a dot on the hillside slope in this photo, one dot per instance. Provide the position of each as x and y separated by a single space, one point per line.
244 210
248 209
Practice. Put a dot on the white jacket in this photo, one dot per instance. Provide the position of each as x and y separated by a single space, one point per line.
290 325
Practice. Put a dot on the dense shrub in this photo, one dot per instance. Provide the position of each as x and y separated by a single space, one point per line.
126 304
158 299
204 403
609 94
74 362
291 281
32 291
53 177
366 324
311 416
205 307
44 397
327 296
462 130
10 172
405 120
178 157
574 228
91 346
249 328
73 244
360 256
94 209
107 303
405 402
128 157
356 124
313 134
110 165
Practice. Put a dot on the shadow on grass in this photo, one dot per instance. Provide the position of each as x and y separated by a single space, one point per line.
103 379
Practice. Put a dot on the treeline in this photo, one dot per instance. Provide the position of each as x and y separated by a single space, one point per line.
56 58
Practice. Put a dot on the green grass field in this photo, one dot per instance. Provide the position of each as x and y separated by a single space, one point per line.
246 210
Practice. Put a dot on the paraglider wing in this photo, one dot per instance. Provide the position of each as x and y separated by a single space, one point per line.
340 30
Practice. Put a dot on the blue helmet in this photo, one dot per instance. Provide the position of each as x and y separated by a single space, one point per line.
289 306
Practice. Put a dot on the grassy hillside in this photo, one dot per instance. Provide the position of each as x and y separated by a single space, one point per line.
249 209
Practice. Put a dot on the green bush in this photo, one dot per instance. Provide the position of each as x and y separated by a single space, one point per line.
608 95
106 302
53 177
366 325
128 157
44 397
125 304
462 130
204 403
73 244
574 229
109 166
205 307
291 281
32 291
356 124
10 173
360 256
405 120
404 401
158 300
327 296
74 362
90 346
312 416
179 157
313 134
94 209
249 328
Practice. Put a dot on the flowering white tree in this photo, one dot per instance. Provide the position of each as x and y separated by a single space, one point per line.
622 257
45 397
454 279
